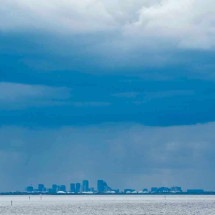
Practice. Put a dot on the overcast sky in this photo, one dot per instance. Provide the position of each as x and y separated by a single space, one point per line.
119 90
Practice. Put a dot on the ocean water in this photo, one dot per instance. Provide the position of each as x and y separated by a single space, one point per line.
107 205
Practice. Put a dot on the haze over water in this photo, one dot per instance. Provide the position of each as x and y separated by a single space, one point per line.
105 205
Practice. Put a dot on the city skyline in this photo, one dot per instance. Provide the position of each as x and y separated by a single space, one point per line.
102 187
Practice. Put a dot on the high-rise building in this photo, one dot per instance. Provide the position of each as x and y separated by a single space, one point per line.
62 188
77 188
72 188
102 186
85 186
29 189
41 188
54 188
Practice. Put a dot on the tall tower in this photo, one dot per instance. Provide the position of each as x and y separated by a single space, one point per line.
100 186
72 188
85 186
77 188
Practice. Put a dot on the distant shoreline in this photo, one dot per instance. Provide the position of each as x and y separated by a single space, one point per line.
106 194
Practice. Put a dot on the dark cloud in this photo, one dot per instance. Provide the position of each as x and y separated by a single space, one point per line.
78 98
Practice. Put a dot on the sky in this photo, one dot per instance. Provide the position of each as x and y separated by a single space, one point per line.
117 90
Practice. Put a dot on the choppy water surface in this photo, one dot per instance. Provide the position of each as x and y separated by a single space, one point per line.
104 205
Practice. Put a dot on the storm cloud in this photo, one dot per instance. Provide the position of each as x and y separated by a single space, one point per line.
119 90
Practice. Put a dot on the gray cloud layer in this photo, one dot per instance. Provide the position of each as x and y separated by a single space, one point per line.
185 23
125 155
15 95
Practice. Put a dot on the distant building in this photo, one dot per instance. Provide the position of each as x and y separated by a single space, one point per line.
145 190
163 190
30 189
195 191
41 188
176 190
154 190
92 190
54 188
160 190
72 188
102 187
77 188
128 191
115 190
62 188
85 186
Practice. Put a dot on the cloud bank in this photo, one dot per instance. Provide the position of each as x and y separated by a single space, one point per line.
16 95
185 23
